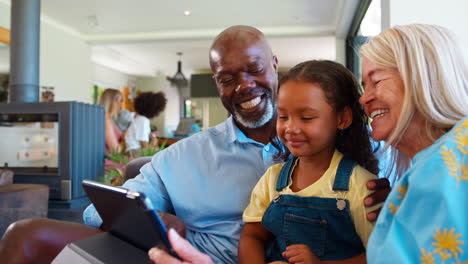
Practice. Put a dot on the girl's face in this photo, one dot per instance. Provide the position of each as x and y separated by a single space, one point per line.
307 124
382 99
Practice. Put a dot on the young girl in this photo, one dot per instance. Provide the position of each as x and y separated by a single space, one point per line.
311 208
147 105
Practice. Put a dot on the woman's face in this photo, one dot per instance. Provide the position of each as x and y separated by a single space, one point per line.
382 99
118 102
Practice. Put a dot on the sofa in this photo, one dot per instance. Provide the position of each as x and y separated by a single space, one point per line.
20 201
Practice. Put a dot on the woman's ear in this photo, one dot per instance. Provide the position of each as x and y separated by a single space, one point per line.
345 118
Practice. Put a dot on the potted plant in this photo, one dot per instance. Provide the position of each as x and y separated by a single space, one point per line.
116 161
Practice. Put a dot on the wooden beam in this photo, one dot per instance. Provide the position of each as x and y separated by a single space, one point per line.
4 35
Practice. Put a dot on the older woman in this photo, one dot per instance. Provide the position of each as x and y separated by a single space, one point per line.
416 92
112 101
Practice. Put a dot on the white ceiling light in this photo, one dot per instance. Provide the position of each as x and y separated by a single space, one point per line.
187 12
92 21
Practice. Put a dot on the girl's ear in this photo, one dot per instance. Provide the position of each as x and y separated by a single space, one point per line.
345 118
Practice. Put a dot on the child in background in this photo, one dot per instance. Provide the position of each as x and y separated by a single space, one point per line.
310 209
148 105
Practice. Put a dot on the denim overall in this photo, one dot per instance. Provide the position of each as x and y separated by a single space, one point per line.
317 222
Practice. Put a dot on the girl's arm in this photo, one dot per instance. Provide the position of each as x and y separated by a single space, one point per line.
252 243
143 144
300 253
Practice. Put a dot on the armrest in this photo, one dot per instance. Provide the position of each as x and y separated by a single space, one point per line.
132 169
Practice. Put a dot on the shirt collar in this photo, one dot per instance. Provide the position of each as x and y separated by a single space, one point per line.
235 134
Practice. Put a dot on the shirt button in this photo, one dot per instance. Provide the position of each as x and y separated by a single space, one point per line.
267 148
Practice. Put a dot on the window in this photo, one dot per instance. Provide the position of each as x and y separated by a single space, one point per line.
367 23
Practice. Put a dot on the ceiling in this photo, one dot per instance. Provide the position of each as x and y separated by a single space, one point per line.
142 37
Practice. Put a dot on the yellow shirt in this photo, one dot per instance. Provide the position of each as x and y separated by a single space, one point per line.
265 191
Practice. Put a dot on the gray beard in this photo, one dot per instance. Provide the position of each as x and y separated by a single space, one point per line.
267 116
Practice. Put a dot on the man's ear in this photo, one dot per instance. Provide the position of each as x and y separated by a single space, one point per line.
345 118
275 63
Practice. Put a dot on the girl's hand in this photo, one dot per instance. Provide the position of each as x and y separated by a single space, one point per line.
300 254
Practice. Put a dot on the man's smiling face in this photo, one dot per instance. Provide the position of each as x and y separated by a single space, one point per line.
246 76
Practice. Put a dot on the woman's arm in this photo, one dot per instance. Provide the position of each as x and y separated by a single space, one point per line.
252 243
143 144
112 140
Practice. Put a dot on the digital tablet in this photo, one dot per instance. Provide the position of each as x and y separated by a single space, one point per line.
128 215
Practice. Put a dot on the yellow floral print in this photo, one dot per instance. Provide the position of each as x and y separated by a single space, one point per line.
393 208
426 257
461 139
462 126
447 246
447 240
457 168
402 189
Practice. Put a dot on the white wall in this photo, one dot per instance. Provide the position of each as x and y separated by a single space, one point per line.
65 64
4 50
109 78
340 50
447 13
4 15
65 60
169 119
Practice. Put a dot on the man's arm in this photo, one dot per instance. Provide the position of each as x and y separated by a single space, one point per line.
148 182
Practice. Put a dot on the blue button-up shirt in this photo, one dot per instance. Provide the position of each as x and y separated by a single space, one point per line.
206 180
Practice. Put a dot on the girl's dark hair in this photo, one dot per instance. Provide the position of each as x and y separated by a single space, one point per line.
341 89
150 104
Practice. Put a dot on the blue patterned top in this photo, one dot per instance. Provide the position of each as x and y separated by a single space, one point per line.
425 217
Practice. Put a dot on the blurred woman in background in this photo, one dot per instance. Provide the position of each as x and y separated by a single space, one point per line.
112 101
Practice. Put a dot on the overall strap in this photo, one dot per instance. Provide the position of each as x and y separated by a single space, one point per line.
343 173
285 172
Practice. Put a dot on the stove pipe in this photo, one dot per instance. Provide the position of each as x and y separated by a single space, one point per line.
24 50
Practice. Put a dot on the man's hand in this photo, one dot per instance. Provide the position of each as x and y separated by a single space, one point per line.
183 248
382 189
172 221
300 254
